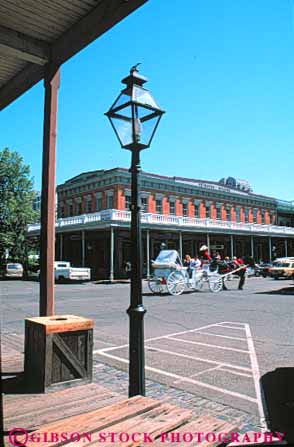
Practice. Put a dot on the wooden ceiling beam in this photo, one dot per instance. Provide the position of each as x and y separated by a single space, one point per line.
23 81
21 46
103 17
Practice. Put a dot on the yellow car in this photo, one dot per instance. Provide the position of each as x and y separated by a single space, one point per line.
282 268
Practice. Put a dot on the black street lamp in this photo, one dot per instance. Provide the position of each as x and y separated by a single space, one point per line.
134 117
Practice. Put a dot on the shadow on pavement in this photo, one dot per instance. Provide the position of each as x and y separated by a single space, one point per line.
284 291
278 400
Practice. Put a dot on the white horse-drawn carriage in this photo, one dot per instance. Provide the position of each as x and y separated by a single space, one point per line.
170 274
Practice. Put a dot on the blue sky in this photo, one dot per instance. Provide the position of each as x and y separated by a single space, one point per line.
222 69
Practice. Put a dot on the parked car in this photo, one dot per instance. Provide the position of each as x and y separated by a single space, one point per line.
14 270
282 268
262 269
63 271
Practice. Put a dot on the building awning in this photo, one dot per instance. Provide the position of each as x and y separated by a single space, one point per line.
33 33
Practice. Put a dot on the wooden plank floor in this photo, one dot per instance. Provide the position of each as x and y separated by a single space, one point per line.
35 410
91 409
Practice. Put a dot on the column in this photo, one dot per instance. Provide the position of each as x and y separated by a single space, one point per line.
111 273
270 248
148 253
286 248
208 242
181 245
83 248
60 247
252 247
232 246
47 237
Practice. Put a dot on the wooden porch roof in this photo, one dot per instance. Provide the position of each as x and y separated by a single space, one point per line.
33 34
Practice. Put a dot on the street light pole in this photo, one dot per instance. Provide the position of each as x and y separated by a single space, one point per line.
134 117
136 311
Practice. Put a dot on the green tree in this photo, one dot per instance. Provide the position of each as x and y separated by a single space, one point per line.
16 206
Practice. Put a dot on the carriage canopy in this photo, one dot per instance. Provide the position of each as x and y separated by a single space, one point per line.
168 258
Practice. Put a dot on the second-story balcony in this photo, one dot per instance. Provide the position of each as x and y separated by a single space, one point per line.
122 218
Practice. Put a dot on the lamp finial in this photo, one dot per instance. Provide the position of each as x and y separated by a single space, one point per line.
135 68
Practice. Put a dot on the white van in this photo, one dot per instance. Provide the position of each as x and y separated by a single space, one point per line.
14 270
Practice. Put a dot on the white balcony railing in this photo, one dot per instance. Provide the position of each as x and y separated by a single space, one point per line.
167 220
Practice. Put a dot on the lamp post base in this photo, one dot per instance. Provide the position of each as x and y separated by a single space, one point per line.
137 357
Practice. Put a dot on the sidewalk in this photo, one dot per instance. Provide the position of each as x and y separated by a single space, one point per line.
117 380
110 384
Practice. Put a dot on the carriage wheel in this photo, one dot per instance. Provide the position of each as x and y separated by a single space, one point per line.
215 283
227 283
175 283
155 286
198 284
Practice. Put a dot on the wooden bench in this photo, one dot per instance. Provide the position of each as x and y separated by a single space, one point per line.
136 415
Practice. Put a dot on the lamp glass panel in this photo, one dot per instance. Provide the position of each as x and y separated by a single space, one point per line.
144 97
121 100
123 129
147 128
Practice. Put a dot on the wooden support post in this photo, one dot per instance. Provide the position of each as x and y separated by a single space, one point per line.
111 272
148 253
286 248
83 248
208 242
270 248
61 247
232 246
47 242
181 245
252 247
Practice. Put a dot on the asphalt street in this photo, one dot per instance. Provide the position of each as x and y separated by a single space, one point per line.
212 345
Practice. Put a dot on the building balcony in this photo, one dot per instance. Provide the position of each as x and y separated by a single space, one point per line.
107 218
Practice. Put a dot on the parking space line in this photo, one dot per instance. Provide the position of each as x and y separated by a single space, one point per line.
223 336
256 375
206 344
199 359
237 373
156 338
231 327
199 373
186 379
231 322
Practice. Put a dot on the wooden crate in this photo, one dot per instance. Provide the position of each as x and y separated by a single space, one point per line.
58 352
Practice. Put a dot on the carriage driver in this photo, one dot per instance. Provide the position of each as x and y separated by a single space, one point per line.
204 254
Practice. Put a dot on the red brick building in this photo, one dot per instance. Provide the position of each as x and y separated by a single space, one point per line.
93 219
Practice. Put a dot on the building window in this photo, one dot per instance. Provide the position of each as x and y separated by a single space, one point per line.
144 204
109 202
207 211
70 210
262 217
62 211
172 208
219 213
255 216
246 215
127 202
158 206
89 206
79 208
196 210
185 209
228 214
238 215
98 203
